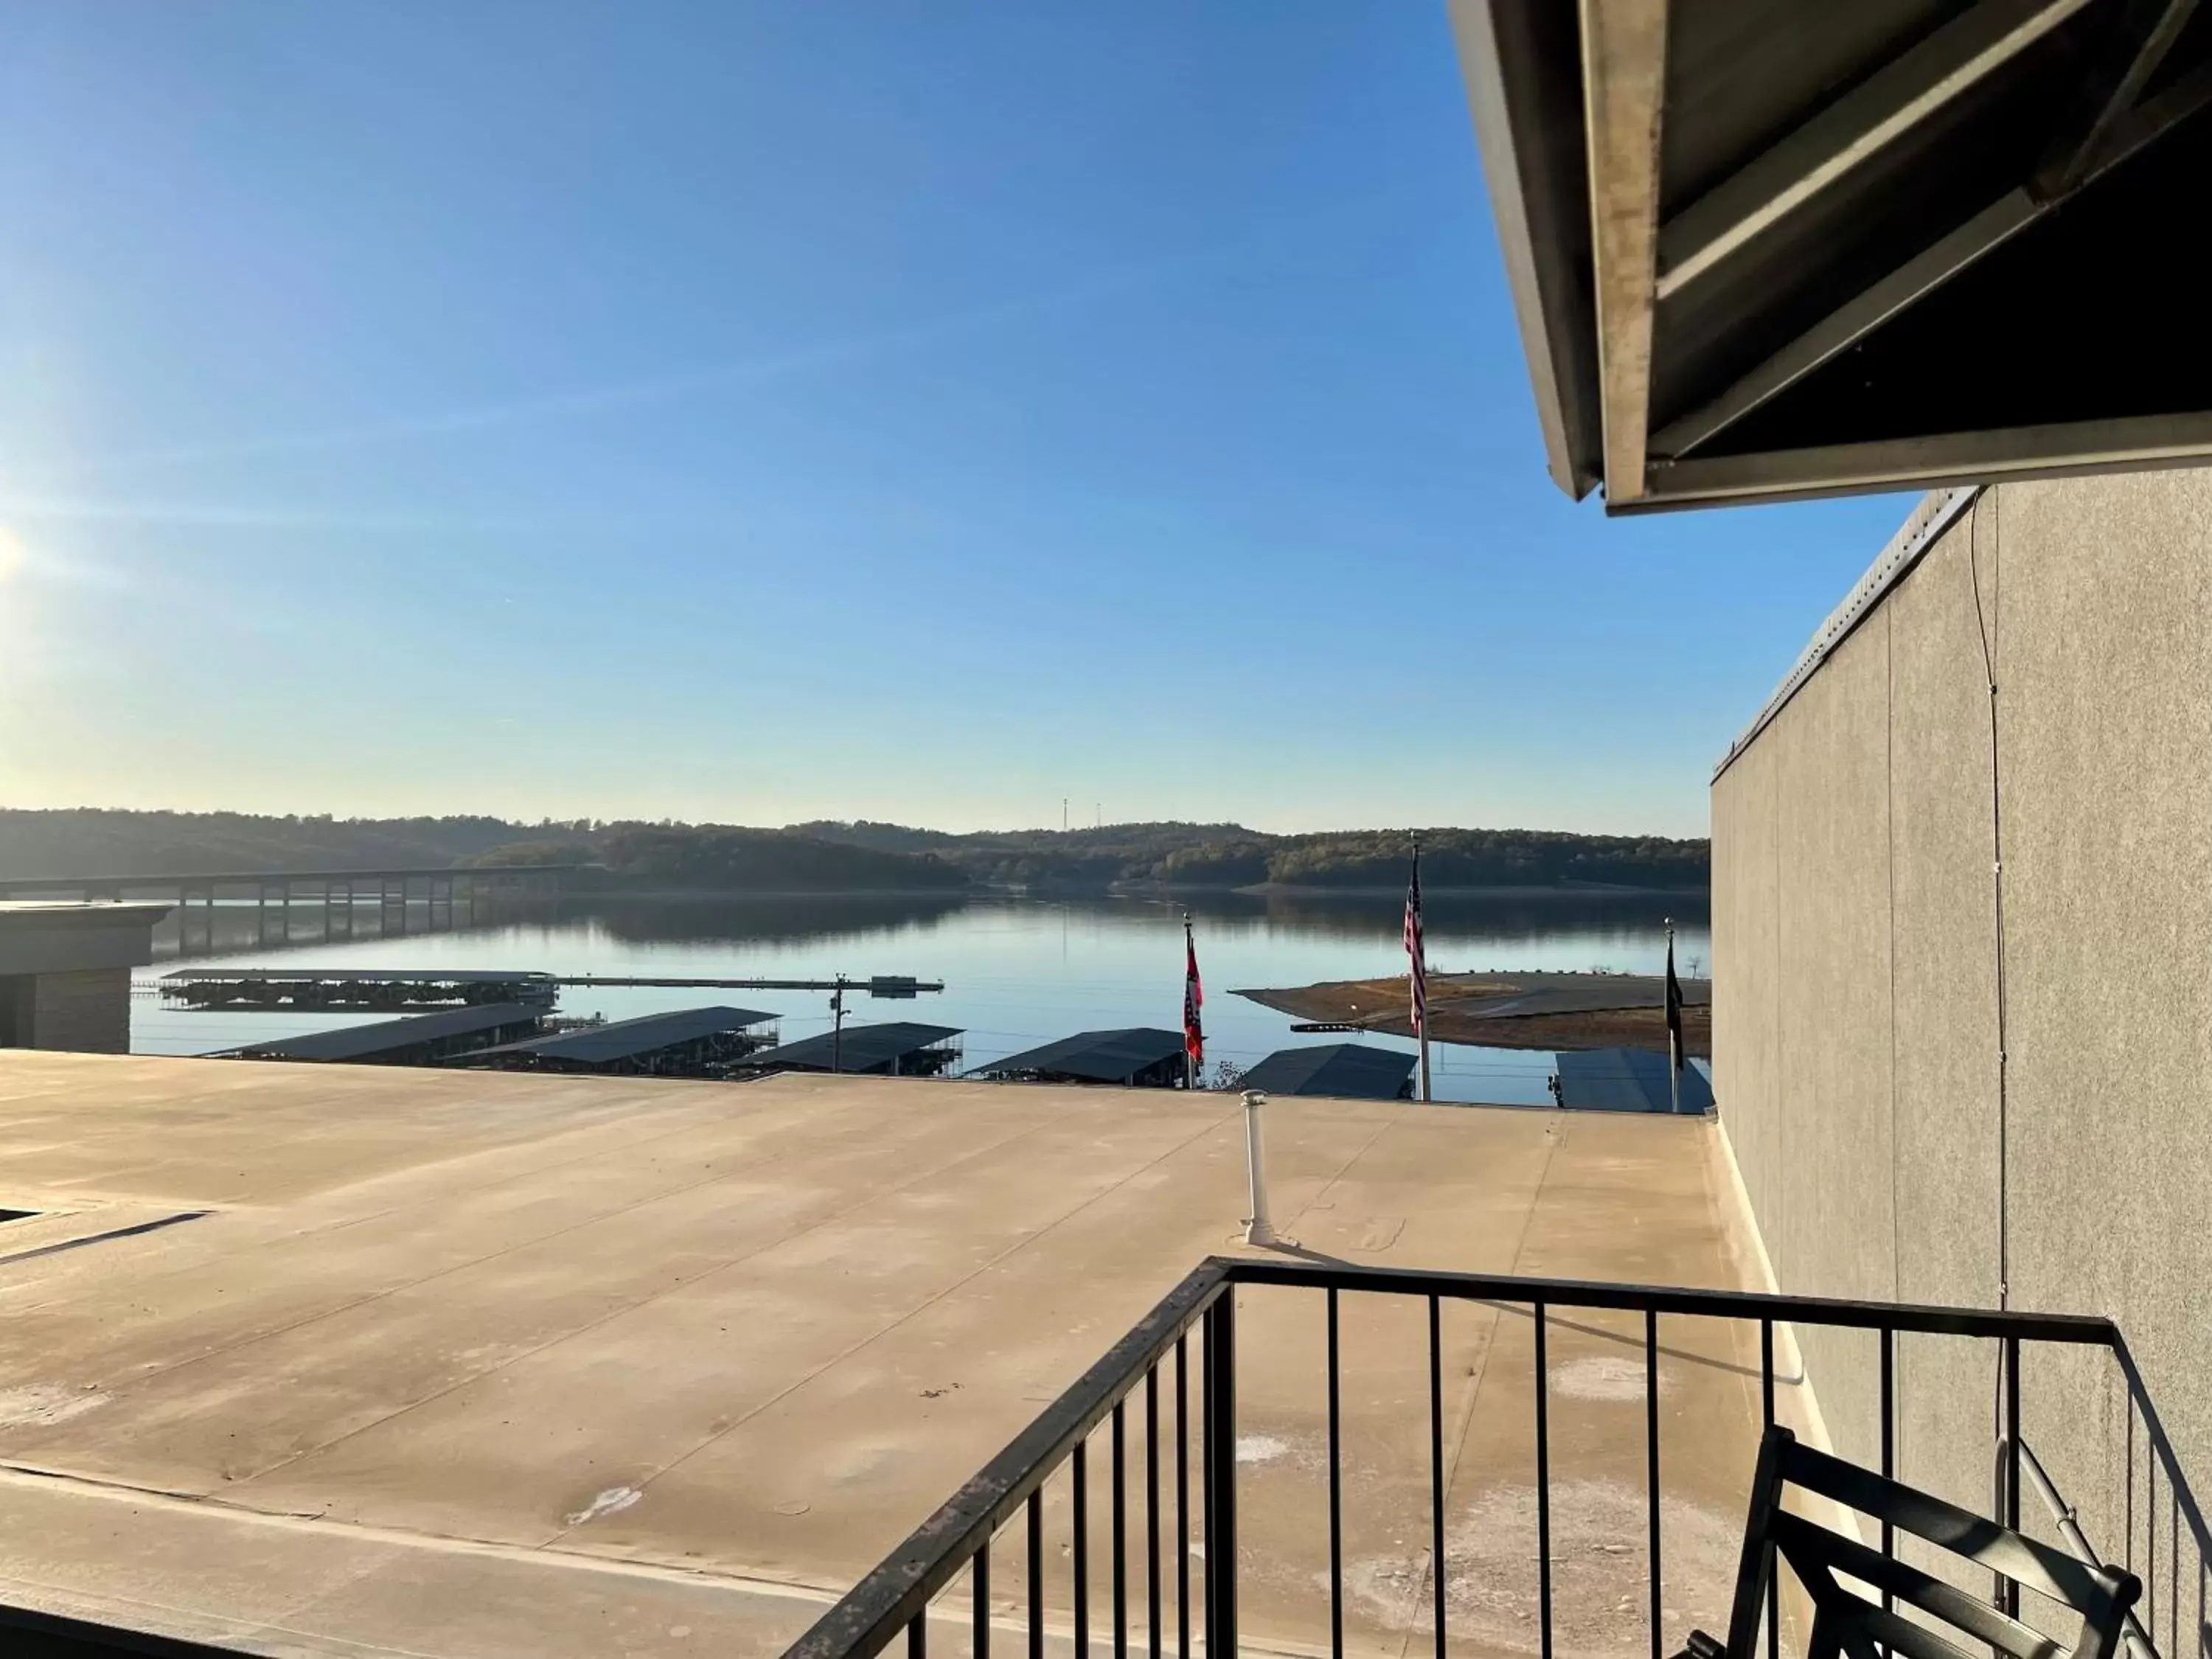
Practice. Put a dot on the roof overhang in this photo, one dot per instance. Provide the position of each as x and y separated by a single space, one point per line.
1765 249
70 937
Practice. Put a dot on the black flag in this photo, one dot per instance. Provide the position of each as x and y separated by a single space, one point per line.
1674 1006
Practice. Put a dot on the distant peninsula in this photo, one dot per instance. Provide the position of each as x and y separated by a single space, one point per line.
827 855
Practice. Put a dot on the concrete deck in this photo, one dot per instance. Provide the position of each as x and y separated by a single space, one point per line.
491 1364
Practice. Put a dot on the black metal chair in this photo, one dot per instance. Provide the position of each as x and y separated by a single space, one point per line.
1846 1622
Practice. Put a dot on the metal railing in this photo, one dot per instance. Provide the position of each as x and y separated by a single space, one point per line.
1159 1356
2066 1519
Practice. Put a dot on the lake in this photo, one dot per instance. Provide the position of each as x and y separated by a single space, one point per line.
1018 972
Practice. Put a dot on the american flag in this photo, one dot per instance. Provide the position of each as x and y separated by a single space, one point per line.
1416 950
1193 999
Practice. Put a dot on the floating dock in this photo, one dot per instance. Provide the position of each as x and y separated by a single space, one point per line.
1344 1071
418 1040
339 989
694 1042
895 1048
1135 1056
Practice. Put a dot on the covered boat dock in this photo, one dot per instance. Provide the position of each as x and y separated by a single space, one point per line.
1346 1071
1628 1080
418 1040
894 1048
1135 1057
685 1042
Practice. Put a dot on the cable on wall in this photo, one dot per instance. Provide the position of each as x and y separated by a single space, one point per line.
1997 1416
1996 887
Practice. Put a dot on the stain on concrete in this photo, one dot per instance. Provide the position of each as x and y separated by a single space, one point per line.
1599 1605
44 1404
612 1501
1607 1377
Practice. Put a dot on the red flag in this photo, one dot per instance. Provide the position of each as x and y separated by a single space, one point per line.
1193 999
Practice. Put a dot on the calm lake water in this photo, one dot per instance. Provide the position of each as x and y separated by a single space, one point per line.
1017 971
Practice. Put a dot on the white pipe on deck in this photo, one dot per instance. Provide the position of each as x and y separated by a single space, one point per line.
1258 1230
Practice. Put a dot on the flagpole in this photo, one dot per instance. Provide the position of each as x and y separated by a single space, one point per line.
1673 1036
1428 1093
1190 1065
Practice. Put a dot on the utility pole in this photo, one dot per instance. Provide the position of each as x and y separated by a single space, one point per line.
838 1027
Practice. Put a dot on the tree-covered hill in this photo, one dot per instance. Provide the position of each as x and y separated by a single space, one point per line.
826 856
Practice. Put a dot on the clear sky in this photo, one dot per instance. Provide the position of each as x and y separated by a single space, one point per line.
760 410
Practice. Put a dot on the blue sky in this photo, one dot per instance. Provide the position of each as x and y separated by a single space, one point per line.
758 411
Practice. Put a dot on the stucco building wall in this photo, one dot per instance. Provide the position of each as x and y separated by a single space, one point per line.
1857 982
87 1011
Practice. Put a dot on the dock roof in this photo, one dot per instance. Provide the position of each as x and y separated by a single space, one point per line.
1627 1081
621 1038
1348 1071
864 1046
1114 1057
385 1036
515 1365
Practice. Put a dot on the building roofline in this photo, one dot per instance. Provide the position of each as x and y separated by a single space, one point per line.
1938 511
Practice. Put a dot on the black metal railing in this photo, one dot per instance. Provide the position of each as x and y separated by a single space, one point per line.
1159 1355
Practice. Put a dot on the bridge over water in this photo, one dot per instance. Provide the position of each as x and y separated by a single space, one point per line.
446 897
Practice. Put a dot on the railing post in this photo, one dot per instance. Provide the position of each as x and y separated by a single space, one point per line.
2008 1591
1220 1411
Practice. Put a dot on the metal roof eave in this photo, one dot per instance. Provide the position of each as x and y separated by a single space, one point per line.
1528 126
1693 248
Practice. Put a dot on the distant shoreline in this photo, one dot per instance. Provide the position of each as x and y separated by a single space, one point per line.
821 857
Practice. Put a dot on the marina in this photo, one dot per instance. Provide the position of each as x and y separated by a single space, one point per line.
1017 972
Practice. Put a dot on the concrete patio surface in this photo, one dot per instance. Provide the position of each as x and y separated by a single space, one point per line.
328 1359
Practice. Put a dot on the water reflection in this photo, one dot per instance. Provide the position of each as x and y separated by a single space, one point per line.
767 918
